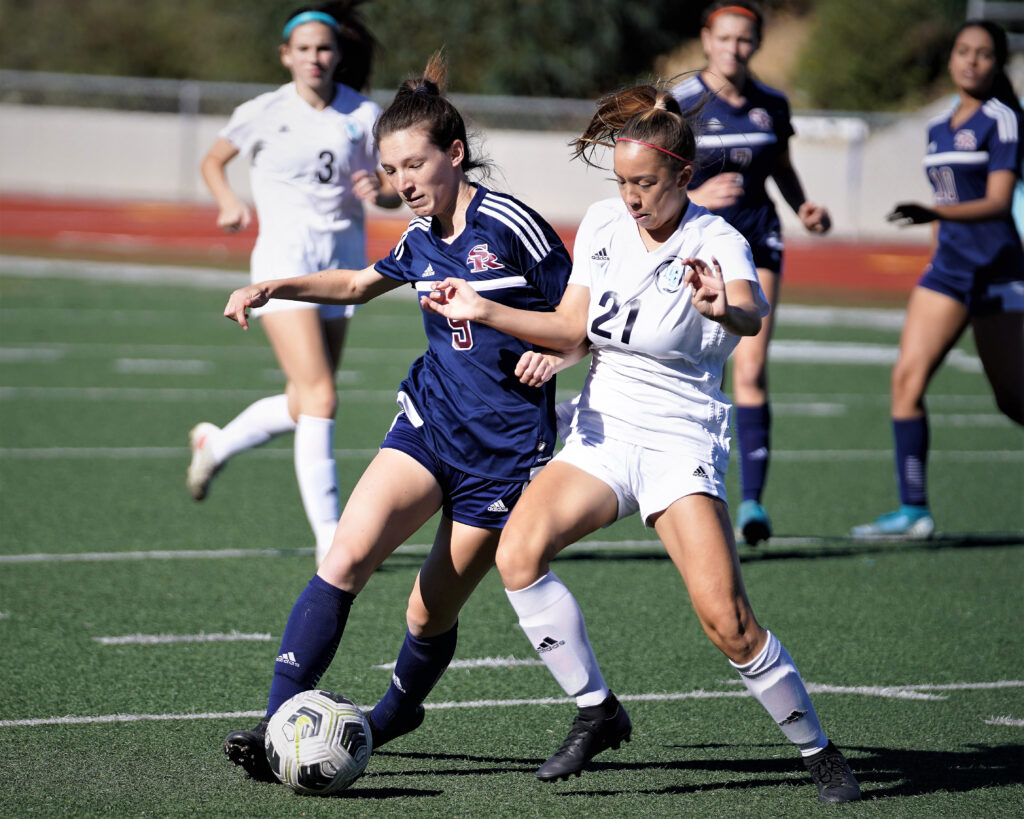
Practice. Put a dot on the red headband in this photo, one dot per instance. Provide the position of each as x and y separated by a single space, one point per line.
742 12
656 147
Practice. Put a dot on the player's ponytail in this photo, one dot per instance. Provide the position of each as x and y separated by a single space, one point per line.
645 114
420 103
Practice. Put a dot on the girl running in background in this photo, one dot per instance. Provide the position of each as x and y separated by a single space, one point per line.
469 433
976 276
745 135
662 290
314 164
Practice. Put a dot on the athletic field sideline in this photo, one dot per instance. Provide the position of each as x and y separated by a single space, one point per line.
140 627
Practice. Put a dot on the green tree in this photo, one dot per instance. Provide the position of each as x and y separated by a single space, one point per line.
885 54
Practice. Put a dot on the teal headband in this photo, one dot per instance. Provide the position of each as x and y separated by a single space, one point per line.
308 17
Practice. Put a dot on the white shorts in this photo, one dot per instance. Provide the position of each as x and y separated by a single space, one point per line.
648 480
328 312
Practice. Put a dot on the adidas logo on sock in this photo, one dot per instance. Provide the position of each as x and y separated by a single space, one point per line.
288 658
398 683
793 717
548 644
498 506
759 454
700 472
600 256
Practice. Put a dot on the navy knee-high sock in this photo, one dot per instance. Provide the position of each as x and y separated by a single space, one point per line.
421 662
753 431
310 639
911 437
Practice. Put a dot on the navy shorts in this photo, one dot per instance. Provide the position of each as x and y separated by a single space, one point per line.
767 250
980 296
468 499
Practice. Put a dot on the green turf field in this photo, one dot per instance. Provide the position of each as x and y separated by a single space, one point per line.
911 651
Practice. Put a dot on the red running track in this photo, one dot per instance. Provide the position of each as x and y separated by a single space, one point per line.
163 232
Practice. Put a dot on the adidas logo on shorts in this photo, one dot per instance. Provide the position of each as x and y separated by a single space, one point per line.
600 256
498 506
700 472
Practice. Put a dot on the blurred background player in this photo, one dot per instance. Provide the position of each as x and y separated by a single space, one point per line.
314 164
469 434
745 130
976 275
661 290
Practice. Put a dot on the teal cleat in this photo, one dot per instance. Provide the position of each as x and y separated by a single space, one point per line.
906 523
752 523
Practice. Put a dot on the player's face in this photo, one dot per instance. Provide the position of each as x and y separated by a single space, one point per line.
972 63
426 177
729 44
311 54
654 193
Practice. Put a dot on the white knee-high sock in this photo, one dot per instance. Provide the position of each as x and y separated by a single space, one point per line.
318 478
553 623
252 427
774 681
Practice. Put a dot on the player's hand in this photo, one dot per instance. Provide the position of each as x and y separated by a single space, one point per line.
234 217
815 217
365 185
239 302
534 368
719 191
708 286
911 213
454 299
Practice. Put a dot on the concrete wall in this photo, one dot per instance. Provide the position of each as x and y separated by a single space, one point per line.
859 173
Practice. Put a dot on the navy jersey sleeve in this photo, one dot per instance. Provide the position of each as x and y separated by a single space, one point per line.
1004 139
400 262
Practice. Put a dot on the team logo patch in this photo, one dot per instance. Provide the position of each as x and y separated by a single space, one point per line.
965 140
761 118
355 131
669 276
480 259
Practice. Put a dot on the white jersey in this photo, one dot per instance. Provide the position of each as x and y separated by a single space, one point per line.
302 163
656 373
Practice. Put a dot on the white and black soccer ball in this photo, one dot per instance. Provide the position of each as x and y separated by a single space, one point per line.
318 742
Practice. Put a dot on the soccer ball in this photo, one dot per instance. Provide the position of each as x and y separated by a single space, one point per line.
318 742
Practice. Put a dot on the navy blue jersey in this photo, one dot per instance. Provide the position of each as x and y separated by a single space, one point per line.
958 163
463 390
744 140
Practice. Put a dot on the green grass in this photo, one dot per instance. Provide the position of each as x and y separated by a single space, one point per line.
92 456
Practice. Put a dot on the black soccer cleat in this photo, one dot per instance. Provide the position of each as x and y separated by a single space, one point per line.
593 730
248 750
395 728
831 773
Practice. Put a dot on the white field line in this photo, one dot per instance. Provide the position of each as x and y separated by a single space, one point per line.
163 639
889 692
1009 722
482 662
165 452
164 394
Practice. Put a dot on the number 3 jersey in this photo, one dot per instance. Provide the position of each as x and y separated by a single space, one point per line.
656 373
302 164
958 163
463 392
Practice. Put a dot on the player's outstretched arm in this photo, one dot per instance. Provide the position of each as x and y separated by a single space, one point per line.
324 287
562 330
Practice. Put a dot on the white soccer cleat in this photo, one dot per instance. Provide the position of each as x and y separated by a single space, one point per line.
202 467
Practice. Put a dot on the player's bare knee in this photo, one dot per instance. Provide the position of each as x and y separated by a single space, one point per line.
518 564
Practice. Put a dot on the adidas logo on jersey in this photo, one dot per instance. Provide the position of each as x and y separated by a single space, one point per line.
600 256
429 270
548 644
498 506
700 472
288 658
